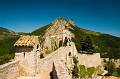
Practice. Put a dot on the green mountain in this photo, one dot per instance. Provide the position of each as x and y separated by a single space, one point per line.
107 45
4 30
41 31
5 33
7 39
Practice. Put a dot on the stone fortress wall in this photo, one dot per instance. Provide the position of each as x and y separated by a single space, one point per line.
32 65
44 66
90 60
9 70
22 66
62 61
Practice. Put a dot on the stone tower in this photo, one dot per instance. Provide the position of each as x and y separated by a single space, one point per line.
26 48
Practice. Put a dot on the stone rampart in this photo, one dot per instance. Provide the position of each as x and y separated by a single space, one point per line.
9 70
90 60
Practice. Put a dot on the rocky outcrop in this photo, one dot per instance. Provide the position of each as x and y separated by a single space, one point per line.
56 34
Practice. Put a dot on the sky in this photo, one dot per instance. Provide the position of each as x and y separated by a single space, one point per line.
28 15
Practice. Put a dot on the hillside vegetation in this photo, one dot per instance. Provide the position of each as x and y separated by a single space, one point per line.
5 33
7 40
107 45
3 30
40 31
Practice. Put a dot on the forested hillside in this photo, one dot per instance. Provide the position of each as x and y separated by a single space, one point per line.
107 45
7 39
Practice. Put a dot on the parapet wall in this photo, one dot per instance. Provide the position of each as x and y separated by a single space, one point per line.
90 60
9 70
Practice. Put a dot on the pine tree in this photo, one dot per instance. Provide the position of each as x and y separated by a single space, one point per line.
89 45
82 43
86 45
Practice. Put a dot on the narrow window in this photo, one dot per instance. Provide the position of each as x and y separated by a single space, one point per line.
24 54
69 54
37 46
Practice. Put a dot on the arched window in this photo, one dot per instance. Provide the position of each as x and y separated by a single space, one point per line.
69 54
37 46
60 43
65 41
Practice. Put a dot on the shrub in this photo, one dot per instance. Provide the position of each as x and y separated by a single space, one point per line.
91 71
110 67
41 55
115 73
75 61
75 71
48 51
82 71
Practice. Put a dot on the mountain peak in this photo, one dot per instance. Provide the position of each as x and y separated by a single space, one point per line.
58 25
63 22
55 27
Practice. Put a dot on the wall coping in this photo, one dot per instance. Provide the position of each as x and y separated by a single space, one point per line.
8 64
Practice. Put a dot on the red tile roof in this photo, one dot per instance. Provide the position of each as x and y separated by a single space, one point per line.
26 41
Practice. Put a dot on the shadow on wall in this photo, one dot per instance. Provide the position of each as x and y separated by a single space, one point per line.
53 73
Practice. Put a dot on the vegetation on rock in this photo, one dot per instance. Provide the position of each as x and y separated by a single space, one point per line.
75 70
82 71
112 70
41 55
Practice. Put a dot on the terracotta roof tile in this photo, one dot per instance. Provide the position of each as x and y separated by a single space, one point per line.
26 41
